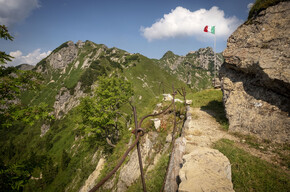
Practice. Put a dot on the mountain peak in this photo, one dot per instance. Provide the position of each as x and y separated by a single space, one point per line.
25 67
168 54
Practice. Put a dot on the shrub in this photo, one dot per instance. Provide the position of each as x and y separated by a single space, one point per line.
261 5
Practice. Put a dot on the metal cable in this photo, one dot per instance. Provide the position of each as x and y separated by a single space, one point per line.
96 187
138 149
138 133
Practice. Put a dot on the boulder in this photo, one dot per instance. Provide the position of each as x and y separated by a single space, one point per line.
157 123
44 129
167 97
188 102
63 57
205 169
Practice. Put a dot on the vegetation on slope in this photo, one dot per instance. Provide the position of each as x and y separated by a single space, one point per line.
261 5
196 69
66 157
250 173
15 171
211 100
102 114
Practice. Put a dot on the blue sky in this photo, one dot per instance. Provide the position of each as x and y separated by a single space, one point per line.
149 27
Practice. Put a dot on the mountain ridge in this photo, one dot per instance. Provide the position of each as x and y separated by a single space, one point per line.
74 67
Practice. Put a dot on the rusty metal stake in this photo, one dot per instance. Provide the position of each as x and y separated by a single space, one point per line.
138 150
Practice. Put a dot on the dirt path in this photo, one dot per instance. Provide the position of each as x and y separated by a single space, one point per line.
205 131
204 121
202 130
204 168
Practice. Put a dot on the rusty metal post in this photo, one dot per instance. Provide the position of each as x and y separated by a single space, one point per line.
138 150
174 112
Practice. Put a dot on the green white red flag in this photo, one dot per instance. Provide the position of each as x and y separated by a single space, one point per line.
209 29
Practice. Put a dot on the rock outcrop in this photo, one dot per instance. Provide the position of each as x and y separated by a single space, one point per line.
64 101
25 67
131 171
61 58
90 182
205 169
44 129
255 76
196 69
205 57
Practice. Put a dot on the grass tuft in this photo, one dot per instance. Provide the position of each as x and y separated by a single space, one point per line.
250 173
261 5
210 100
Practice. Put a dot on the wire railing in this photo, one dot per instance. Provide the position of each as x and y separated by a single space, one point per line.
139 132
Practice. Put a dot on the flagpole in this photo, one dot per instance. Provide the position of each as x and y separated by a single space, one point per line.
214 60
212 31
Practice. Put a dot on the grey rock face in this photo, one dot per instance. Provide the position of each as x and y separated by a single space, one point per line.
64 101
25 67
196 68
131 171
201 58
44 129
205 170
255 76
205 56
80 44
63 57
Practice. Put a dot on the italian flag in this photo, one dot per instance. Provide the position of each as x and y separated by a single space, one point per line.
210 29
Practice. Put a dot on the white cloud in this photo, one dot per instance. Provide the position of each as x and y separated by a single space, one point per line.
13 11
183 22
16 53
249 6
32 58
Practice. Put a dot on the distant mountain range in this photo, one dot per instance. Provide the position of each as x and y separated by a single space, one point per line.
71 70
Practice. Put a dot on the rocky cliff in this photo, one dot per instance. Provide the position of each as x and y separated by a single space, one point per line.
72 68
256 75
196 68
67 70
25 67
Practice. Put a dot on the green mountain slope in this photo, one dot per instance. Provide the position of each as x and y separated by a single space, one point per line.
65 158
196 69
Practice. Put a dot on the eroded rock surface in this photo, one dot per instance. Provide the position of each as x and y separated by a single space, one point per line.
131 171
205 169
90 182
64 101
64 56
256 75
